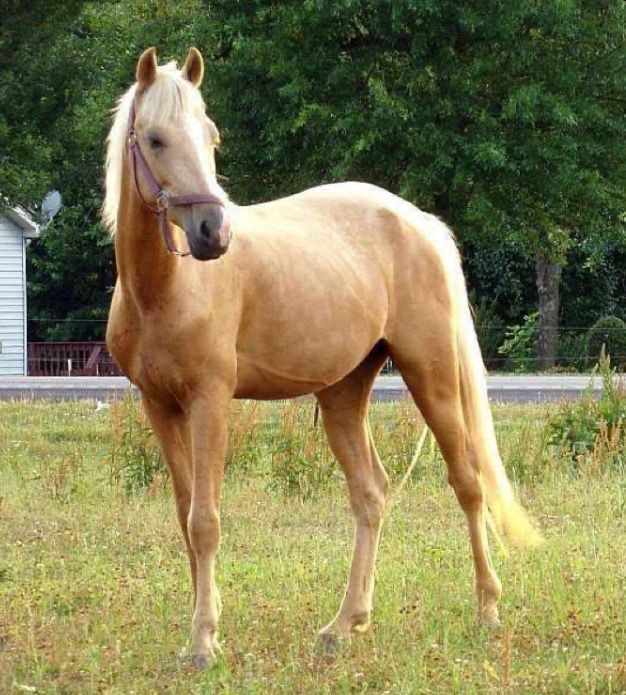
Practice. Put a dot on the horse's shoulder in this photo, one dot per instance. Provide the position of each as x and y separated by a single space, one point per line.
122 329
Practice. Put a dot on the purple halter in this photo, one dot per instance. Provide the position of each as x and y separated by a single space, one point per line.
163 199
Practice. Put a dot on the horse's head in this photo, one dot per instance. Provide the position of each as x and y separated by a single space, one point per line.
178 141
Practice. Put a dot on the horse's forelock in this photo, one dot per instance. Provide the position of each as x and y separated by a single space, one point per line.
170 95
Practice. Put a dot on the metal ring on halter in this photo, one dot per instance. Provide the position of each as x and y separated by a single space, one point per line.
162 200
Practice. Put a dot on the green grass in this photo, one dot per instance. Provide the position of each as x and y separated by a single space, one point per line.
95 595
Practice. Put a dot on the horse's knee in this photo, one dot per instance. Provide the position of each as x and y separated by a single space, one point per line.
203 527
368 505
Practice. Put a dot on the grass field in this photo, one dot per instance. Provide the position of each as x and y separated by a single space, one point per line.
95 595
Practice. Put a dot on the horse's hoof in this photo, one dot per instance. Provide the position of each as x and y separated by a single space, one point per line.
201 662
330 642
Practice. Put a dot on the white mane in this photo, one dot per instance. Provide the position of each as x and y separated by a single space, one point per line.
167 97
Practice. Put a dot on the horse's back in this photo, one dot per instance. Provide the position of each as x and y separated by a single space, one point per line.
353 212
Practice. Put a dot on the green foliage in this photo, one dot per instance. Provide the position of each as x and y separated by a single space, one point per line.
503 274
520 346
136 458
457 107
594 425
608 334
572 354
593 283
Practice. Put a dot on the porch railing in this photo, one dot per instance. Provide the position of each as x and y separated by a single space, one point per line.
71 359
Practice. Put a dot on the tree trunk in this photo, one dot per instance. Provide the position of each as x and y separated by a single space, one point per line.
548 278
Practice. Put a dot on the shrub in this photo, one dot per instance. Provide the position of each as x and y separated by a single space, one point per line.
609 331
572 351
520 346
590 424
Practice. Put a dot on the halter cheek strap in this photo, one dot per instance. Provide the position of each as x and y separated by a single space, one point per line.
163 199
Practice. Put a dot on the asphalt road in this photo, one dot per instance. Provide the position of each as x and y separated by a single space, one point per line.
515 389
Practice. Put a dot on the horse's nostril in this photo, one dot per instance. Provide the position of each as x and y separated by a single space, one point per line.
208 227
205 229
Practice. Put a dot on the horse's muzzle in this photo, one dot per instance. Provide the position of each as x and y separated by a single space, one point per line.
209 235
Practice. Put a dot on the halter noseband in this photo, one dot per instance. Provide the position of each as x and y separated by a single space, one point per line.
163 199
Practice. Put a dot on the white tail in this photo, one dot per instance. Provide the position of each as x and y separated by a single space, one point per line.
508 514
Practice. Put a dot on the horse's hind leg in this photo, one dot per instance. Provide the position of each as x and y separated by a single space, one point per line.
432 376
172 430
344 410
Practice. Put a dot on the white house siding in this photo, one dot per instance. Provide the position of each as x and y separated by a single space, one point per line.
12 299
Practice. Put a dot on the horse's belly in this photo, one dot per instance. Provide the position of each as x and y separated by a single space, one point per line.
295 363
270 382
263 386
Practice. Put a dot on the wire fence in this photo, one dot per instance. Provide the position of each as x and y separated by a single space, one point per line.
478 326
54 363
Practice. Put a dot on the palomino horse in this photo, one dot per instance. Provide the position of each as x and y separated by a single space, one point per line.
307 294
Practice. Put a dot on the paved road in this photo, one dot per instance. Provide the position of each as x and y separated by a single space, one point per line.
517 389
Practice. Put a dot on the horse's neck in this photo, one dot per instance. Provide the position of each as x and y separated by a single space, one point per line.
145 269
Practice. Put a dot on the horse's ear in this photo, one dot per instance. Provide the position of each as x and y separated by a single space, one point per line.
147 68
193 69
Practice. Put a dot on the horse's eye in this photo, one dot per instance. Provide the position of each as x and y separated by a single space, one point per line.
155 142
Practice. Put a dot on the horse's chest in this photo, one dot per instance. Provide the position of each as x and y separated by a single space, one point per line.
164 368
154 359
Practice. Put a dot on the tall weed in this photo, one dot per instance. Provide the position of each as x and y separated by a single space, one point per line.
301 464
245 436
396 431
593 428
136 459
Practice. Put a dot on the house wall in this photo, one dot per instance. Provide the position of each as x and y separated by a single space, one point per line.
12 299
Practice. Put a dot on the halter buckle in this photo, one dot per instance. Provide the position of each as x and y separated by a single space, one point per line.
132 137
163 200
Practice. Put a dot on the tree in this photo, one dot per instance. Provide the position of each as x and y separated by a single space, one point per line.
504 118
62 67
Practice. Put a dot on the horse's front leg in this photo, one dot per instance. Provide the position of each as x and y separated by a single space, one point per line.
171 426
209 434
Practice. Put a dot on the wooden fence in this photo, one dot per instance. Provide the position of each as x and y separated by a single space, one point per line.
71 359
